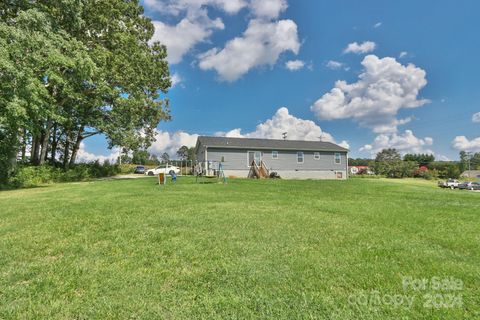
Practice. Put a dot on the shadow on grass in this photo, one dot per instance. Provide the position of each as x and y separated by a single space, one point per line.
12 188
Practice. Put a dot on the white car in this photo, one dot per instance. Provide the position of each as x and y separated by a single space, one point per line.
167 169
450 183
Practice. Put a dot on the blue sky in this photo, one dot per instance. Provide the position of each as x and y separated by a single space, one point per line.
410 76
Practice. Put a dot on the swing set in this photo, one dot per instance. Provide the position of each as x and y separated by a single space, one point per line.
206 171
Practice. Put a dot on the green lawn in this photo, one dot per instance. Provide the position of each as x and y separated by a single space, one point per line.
249 249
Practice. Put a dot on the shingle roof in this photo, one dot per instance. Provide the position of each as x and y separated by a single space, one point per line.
246 143
471 173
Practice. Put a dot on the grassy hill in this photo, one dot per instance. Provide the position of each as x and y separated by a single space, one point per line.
248 249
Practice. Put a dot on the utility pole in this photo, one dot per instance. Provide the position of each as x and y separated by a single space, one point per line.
469 157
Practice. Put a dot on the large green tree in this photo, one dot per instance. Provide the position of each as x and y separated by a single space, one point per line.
420 158
71 69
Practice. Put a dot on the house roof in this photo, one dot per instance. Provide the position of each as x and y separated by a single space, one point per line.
471 173
252 143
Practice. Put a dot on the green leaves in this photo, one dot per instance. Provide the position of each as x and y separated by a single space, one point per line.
82 64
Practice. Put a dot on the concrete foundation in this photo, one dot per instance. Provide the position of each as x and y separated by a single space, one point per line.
294 174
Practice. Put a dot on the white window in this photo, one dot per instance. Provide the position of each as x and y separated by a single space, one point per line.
299 157
316 156
338 158
274 154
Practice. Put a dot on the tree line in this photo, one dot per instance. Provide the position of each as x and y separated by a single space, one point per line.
72 69
390 163
143 157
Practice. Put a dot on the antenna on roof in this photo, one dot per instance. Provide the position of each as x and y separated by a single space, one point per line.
320 138
284 134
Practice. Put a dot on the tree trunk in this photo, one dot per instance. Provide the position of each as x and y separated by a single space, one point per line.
10 156
76 146
54 144
45 140
35 149
66 150
24 144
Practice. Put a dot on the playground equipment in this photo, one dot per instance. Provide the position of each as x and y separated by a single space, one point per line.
258 171
209 170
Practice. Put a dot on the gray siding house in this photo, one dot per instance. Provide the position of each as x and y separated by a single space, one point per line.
289 158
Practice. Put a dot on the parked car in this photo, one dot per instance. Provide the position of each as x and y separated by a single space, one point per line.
450 183
464 185
139 170
469 186
167 169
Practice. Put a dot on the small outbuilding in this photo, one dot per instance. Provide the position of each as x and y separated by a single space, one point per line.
293 159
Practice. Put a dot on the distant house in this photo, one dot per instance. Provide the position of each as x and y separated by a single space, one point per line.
472 174
359 170
289 158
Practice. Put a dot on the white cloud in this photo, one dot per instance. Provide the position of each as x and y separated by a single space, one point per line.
403 54
176 7
476 117
282 121
441 157
176 79
261 44
197 27
334 65
374 100
85 156
268 9
365 47
405 142
170 142
462 143
294 65
377 25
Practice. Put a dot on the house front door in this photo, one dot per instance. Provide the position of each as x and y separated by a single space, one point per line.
254 155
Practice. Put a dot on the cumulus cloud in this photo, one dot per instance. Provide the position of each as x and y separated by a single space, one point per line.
197 27
403 54
294 65
462 143
170 142
384 88
365 47
377 25
84 156
405 142
442 157
261 44
282 121
476 117
269 9
176 7
176 79
334 65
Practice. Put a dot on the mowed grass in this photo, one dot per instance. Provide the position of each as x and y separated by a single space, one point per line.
275 249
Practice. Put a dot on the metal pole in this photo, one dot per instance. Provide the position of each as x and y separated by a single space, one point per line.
469 155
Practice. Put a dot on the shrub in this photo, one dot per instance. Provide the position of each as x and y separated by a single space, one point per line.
30 176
